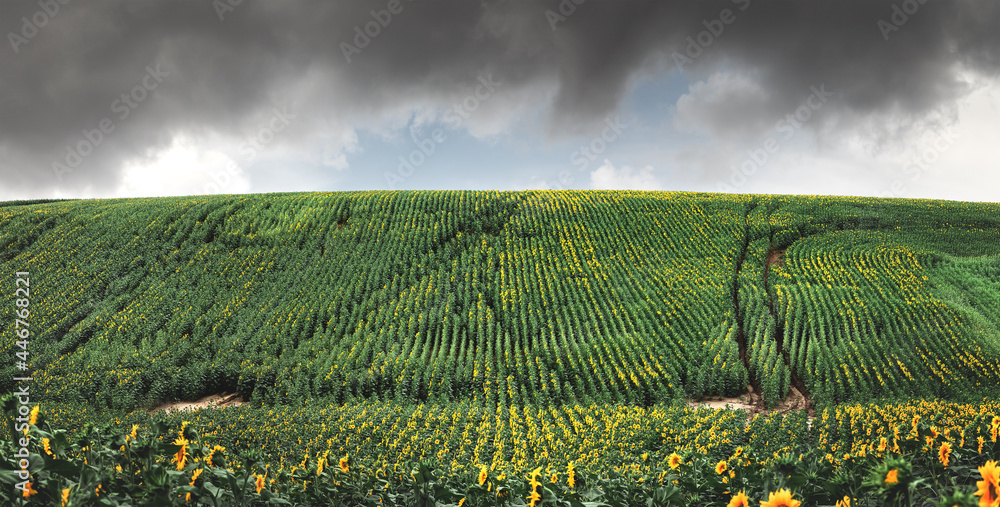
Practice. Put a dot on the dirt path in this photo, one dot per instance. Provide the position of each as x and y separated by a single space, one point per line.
215 401
752 403
776 257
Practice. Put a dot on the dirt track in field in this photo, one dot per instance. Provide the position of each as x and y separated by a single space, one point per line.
776 257
753 404
213 401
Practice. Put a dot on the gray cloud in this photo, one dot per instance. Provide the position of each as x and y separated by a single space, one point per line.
225 75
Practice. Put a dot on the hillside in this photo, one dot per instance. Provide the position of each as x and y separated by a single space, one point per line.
506 298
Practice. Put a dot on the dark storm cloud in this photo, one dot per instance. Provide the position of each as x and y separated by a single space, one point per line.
222 70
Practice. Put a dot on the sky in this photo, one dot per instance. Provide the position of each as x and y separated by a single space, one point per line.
105 98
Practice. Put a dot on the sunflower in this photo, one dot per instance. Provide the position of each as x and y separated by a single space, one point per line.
780 498
34 415
211 454
181 456
720 467
989 487
45 445
846 502
882 444
259 483
344 466
482 475
944 452
28 490
892 477
739 500
674 460
533 484
570 475
65 496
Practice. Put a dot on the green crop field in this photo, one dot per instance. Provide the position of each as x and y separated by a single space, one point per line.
509 331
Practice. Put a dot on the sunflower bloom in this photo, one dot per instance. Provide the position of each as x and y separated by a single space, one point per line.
45 445
483 475
570 475
944 453
739 500
846 502
344 466
981 441
989 487
211 453
131 436
65 497
33 418
259 483
181 456
882 444
194 476
29 491
720 467
780 498
994 426
533 484
892 477
674 461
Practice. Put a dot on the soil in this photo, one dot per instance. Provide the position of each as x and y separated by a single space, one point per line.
752 403
776 257
213 401
739 403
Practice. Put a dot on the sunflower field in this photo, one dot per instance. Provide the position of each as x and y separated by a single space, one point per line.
515 334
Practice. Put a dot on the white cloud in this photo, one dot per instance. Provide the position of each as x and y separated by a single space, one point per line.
335 154
186 167
729 105
960 162
607 177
